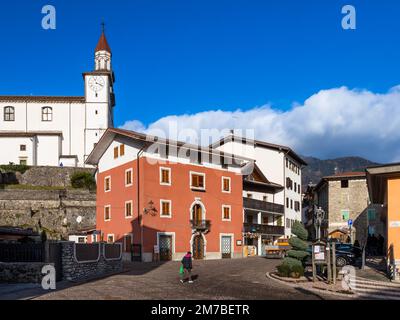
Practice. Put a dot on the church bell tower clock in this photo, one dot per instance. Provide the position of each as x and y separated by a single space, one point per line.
99 95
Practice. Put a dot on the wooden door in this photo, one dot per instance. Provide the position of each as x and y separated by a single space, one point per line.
198 247
197 213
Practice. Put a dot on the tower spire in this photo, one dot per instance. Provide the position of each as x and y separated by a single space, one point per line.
103 45
103 52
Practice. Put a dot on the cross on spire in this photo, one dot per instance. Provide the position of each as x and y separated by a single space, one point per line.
102 45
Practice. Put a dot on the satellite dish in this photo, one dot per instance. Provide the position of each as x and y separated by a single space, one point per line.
79 219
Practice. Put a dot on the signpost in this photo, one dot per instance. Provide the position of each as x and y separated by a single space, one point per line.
350 224
319 256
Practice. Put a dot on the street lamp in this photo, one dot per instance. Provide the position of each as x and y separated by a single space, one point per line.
319 216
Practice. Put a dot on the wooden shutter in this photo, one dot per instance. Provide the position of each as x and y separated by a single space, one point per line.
165 209
122 150
165 176
115 152
195 180
227 186
201 181
128 209
227 213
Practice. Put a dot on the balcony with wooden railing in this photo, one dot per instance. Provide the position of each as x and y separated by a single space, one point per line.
263 206
263 229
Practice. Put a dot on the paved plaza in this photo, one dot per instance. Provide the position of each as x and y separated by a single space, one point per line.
218 279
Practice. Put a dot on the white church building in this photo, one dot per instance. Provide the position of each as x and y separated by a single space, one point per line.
59 130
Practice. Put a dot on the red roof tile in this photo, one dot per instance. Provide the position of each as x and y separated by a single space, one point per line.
102 45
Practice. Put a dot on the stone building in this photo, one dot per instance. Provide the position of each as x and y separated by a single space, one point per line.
344 197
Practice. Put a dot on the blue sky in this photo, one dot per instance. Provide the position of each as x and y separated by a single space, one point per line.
180 57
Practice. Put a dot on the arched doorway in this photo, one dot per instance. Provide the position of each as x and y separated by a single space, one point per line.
198 247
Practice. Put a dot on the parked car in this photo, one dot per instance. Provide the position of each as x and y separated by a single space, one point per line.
346 254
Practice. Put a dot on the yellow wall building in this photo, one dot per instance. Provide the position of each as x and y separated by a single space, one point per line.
384 189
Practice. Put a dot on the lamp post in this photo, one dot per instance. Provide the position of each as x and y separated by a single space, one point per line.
319 216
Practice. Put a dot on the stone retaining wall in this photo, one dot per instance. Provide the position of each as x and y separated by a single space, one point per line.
22 272
56 211
75 271
43 176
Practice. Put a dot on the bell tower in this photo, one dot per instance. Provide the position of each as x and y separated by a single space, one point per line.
99 95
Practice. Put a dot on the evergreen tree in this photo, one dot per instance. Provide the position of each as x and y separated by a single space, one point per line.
293 265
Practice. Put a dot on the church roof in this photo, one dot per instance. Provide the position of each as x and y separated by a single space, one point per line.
53 99
103 45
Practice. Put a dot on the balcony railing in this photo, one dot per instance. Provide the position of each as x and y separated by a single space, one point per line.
263 229
264 206
200 224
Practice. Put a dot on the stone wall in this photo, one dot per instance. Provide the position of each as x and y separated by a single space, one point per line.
22 272
355 198
75 271
43 176
55 211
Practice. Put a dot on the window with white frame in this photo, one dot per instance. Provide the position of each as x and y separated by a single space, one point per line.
107 213
226 184
226 213
165 176
110 238
128 209
165 208
107 184
197 181
128 177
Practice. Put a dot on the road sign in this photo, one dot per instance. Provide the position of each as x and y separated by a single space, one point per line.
350 222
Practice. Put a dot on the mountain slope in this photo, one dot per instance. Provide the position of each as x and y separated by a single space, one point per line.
317 168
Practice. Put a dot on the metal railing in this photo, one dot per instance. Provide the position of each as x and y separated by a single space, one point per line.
200 224
18 252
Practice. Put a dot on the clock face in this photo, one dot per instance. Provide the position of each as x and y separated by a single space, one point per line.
96 83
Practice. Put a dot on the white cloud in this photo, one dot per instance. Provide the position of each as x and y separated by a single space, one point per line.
331 123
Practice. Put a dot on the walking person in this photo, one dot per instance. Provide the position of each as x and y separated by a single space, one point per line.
187 268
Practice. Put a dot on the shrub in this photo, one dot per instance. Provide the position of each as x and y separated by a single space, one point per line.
293 264
298 244
297 271
83 180
14 168
299 230
283 270
298 255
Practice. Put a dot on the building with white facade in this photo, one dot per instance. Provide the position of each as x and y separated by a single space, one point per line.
272 193
59 130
